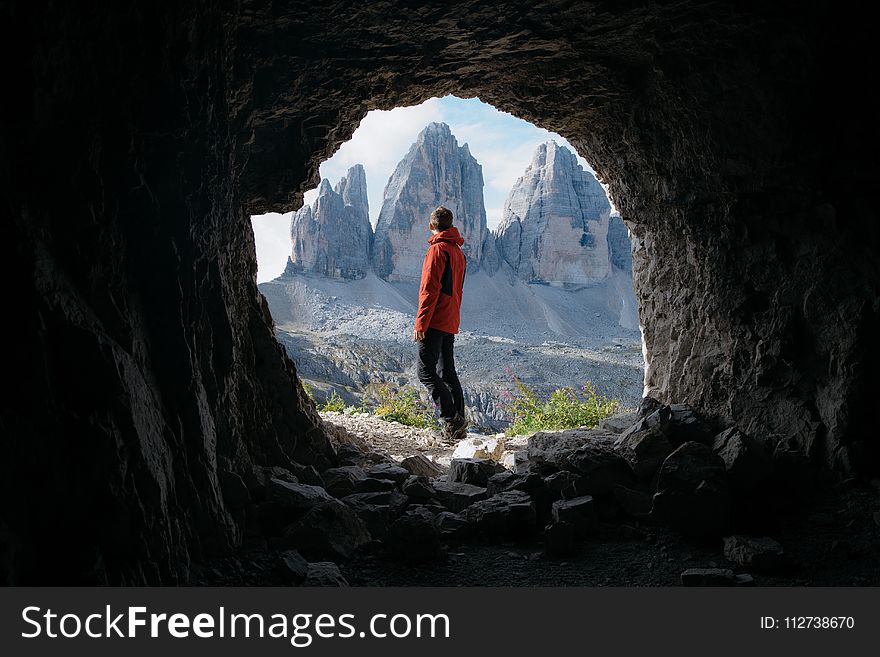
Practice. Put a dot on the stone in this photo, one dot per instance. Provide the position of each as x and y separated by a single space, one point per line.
333 236
373 485
390 471
501 481
300 497
257 480
600 469
746 462
685 425
618 423
418 488
235 491
692 491
329 529
472 471
435 171
414 538
341 481
507 514
324 573
644 449
759 553
580 513
420 465
559 481
478 447
554 447
708 577
454 526
633 502
456 496
619 244
554 224
307 474
291 567
559 540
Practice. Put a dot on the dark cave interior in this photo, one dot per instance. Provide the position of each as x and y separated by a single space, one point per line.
147 381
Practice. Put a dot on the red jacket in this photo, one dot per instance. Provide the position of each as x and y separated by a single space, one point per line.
442 283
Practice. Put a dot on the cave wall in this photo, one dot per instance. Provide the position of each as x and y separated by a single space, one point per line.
146 376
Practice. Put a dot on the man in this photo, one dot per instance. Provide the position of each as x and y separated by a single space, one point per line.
437 321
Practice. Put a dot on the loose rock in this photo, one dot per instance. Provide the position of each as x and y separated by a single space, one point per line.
330 528
324 573
760 553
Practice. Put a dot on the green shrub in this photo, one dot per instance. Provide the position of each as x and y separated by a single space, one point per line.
403 405
333 403
565 409
308 389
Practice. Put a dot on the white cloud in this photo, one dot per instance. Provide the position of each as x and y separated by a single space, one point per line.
272 238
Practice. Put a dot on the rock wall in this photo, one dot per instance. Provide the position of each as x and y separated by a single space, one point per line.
436 171
147 378
554 226
333 237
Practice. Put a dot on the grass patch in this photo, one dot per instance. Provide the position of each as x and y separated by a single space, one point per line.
402 405
566 408
334 403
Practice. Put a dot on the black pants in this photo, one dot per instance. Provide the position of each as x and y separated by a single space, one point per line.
442 382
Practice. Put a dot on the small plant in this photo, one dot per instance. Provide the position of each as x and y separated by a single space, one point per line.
334 403
564 409
308 389
403 405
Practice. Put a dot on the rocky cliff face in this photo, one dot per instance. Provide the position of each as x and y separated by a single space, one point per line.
436 171
555 223
333 236
619 245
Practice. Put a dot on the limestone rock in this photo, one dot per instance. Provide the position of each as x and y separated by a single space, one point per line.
600 469
644 449
692 491
472 471
341 481
299 497
478 447
329 529
745 460
453 525
419 465
554 226
418 488
457 497
333 236
619 245
579 512
414 538
760 553
324 573
389 471
292 567
436 171
510 513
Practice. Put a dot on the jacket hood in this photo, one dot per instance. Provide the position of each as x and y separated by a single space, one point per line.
451 234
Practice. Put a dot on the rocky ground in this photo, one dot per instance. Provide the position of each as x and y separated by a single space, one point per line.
404 508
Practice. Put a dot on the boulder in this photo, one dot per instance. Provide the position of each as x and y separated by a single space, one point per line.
559 540
324 573
500 481
390 471
472 471
560 481
708 577
580 513
291 567
259 477
456 496
759 553
328 529
453 526
478 447
600 469
555 446
692 491
686 426
745 460
298 497
421 466
508 514
414 538
307 474
633 502
418 488
644 449
341 481
618 423
373 485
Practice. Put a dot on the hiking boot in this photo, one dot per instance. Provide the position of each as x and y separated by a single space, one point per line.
455 429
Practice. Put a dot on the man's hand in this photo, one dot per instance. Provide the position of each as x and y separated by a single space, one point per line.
418 336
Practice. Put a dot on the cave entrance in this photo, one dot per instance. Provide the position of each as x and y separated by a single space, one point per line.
548 300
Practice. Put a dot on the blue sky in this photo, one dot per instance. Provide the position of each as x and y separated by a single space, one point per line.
501 143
